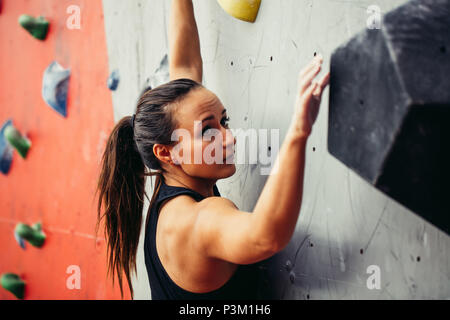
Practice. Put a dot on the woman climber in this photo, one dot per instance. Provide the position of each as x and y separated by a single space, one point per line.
197 244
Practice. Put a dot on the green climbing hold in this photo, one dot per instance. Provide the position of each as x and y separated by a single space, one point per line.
13 284
17 140
33 234
37 27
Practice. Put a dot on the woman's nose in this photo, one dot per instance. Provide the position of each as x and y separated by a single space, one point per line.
230 140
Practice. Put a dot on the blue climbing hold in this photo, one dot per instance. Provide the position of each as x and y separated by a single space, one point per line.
113 80
19 240
161 74
6 150
55 84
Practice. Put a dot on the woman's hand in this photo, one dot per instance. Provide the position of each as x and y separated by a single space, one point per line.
309 97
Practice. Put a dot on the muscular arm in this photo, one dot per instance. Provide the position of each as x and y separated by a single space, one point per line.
223 231
185 59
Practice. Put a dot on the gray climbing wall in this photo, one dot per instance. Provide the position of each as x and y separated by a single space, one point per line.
348 233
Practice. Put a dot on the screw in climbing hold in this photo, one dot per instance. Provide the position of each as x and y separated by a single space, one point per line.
33 234
37 27
14 284
18 141
55 84
6 151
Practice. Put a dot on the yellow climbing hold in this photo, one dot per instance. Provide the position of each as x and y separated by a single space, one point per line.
246 10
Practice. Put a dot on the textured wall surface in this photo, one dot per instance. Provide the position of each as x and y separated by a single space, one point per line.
56 182
345 226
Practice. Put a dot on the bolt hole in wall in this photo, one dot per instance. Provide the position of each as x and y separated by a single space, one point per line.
443 49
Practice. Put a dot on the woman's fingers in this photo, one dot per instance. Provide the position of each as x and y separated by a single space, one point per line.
325 80
316 60
322 83
305 82
308 94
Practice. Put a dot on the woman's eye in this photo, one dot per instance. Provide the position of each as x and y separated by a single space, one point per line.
226 121
205 129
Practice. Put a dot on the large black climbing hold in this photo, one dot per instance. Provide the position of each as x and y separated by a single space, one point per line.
389 110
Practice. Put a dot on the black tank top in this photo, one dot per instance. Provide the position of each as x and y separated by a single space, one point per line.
242 285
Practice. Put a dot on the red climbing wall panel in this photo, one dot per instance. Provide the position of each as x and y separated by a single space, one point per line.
56 183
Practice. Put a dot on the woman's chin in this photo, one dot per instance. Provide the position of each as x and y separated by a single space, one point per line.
228 169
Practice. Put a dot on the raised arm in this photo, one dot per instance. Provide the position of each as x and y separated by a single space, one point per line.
223 231
185 60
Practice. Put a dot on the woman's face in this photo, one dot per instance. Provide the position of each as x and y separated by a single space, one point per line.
205 141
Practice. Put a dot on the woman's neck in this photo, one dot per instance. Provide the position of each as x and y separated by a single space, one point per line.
200 185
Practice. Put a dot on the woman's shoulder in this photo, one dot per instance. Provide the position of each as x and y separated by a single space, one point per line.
181 213
216 202
178 212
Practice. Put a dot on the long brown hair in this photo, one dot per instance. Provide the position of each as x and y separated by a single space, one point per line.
121 185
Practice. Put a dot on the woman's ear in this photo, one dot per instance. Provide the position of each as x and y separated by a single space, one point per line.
162 153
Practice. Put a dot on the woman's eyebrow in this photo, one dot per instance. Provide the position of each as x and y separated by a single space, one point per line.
212 117
208 118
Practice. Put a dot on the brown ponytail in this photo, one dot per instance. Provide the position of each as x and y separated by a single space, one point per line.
121 184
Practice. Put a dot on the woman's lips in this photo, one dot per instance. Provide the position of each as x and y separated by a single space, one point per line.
231 156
